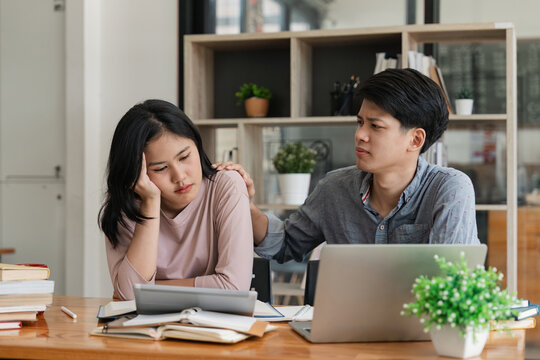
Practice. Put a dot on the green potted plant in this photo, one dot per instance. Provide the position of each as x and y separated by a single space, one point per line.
256 99
458 306
464 102
294 163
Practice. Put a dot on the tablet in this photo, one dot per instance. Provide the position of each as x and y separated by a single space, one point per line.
161 299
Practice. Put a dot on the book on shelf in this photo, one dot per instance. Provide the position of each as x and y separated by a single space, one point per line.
21 316
10 325
26 287
436 154
435 74
529 323
26 299
23 272
379 62
176 331
383 62
524 312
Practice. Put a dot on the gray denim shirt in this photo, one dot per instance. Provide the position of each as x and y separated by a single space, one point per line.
437 207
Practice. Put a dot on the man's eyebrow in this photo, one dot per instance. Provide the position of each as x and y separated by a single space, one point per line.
163 162
372 119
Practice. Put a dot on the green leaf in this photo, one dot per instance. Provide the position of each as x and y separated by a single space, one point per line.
460 297
250 90
294 158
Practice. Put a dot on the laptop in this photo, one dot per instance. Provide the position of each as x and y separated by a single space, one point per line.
361 290
162 299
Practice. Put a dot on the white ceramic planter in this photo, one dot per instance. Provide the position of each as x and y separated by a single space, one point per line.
449 342
464 106
294 188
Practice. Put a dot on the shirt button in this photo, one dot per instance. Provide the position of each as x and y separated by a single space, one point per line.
408 199
381 227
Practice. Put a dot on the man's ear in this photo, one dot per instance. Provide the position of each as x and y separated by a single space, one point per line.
418 137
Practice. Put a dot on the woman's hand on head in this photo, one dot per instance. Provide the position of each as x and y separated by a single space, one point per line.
145 188
229 165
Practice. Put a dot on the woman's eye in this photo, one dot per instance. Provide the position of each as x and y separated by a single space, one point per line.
360 122
375 126
184 157
160 169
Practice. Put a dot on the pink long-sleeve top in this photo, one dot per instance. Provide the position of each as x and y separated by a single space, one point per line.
210 240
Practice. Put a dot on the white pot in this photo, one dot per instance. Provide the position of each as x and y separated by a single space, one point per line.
294 188
464 106
449 342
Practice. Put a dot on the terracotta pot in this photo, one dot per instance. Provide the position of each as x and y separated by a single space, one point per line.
256 107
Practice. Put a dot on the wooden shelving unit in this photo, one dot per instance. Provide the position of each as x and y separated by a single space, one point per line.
298 66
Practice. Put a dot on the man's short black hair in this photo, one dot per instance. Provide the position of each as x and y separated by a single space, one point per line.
412 98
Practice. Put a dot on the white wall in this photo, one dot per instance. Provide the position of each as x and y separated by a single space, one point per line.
523 13
32 133
363 13
119 52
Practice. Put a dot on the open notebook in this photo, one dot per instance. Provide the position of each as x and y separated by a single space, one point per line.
190 324
177 331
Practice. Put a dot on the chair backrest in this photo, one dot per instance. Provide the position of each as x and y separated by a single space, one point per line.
311 281
261 280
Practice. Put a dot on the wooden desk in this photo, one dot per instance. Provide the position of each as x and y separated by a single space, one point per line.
57 336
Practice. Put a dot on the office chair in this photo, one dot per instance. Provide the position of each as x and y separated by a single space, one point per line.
261 280
311 282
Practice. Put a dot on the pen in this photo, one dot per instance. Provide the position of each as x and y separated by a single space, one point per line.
301 312
69 312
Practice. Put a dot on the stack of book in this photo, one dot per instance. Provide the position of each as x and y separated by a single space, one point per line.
24 292
522 318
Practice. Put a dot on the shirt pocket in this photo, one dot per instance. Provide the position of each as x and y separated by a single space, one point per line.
411 234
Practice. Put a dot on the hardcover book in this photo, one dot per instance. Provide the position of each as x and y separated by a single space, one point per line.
23 272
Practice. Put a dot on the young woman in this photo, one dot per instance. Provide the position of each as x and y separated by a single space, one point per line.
169 218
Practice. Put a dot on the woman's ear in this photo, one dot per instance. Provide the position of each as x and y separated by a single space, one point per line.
418 138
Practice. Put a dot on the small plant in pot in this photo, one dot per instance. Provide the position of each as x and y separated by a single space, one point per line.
458 306
294 163
256 99
464 102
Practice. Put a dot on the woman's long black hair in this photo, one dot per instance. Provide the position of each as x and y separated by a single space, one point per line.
141 124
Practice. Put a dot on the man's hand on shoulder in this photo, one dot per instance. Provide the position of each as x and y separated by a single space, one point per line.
229 165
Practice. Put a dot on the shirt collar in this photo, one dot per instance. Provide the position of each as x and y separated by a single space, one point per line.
365 187
412 188
421 167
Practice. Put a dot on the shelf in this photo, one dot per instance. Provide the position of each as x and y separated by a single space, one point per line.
459 33
491 207
300 68
484 121
330 120
279 121
218 122
242 41
479 117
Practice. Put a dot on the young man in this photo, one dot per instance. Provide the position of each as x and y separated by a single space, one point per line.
392 195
